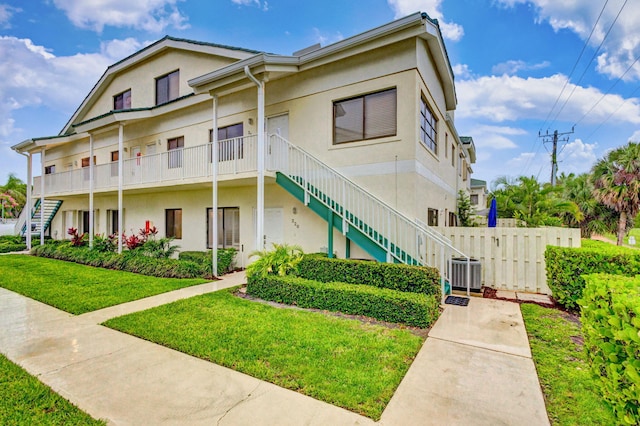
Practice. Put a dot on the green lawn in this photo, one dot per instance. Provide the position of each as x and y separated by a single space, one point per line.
78 288
343 362
569 390
24 400
635 232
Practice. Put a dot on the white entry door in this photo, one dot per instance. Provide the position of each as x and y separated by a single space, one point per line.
273 227
278 125
135 170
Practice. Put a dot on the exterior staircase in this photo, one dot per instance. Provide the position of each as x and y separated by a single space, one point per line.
383 232
49 209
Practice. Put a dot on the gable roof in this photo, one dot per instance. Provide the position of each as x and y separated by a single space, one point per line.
415 25
155 48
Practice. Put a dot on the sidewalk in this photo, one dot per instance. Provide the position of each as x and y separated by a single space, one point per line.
475 368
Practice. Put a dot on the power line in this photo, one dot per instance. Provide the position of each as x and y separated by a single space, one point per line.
612 113
575 65
595 54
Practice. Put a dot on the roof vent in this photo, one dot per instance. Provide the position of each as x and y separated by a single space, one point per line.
307 50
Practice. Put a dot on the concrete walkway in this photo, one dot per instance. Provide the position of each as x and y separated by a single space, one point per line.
475 368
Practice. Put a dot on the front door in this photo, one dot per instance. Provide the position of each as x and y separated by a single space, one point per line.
135 169
278 125
273 227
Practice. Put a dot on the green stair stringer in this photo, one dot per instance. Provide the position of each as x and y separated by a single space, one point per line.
366 237
50 217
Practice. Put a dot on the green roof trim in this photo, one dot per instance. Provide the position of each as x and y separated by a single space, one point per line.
478 182
131 110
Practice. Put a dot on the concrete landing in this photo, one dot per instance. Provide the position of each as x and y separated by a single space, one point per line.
474 369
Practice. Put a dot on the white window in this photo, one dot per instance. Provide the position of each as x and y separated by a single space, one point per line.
428 124
167 87
228 227
365 117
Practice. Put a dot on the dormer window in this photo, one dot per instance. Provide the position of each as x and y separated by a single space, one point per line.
167 87
122 101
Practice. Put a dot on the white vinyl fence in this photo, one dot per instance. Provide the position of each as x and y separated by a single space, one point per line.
512 258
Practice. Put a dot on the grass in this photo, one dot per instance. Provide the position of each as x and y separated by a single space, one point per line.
635 232
24 400
569 390
78 288
343 362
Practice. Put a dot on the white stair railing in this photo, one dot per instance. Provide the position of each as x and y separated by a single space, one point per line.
403 239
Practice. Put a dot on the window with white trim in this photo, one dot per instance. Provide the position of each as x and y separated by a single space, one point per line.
428 126
228 227
122 100
167 87
365 117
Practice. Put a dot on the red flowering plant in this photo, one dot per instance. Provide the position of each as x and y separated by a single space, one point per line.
77 240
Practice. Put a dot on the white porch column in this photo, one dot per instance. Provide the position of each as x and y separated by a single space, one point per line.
120 182
29 204
261 154
91 191
214 188
261 157
42 159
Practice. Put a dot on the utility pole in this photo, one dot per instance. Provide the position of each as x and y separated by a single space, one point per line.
553 138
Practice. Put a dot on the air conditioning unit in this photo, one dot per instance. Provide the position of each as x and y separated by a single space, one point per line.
459 274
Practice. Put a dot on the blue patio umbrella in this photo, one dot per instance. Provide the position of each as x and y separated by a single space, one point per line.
493 214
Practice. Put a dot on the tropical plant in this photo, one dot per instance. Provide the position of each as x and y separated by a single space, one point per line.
616 181
537 205
465 210
13 196
77 240
282 260
105 244
597 218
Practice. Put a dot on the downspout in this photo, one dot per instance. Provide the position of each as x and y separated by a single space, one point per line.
91 219
261 151
120 182
42 159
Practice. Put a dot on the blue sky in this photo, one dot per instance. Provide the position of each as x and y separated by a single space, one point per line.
521 66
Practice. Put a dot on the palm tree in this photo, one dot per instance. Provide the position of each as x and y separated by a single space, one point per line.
597 218
616 181
537 205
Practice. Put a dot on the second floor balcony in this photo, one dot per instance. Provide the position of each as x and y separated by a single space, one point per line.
237 158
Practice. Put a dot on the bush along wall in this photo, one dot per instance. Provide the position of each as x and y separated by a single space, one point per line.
565 267
415 279
226 259
130 261
611 327
420 310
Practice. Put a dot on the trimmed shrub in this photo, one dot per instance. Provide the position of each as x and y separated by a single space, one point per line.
226 259
6 247
127 261
565 267
414 279
611 327
420 310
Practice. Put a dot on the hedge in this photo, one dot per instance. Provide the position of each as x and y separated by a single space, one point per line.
9 247
565 267
127 261
413 309
415 279
611 327
226 259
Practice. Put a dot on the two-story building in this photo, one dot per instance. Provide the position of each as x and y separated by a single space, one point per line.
353 142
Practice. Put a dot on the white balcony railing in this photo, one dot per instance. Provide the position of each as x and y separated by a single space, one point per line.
236 155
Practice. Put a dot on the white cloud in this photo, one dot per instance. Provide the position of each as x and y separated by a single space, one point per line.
462 71
513 67
622 44
260 4
576 157
325 39
635 137
495 137
34 76
450 30
6 13
148 15
510 98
